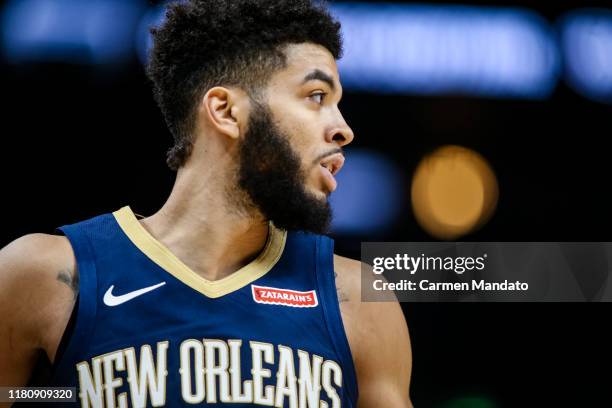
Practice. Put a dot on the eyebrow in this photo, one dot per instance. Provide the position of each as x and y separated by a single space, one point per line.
318 75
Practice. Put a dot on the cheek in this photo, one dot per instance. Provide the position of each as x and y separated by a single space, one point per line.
302 134
307 151
302 126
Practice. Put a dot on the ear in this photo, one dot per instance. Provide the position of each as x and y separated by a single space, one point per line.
223 108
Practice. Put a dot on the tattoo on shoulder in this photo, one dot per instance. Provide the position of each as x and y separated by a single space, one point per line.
342 296
70 278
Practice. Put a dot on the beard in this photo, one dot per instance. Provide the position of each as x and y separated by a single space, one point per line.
271 175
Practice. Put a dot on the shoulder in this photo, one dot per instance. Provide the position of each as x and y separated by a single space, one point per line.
34 251
378 337
358 316
348 275
38 286
34 256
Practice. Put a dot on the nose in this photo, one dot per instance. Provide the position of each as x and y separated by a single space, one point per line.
341 134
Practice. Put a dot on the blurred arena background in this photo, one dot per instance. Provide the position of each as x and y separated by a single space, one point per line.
485 121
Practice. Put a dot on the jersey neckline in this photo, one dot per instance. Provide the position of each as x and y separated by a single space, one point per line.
164 258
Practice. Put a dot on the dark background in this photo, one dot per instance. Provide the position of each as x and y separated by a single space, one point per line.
78 141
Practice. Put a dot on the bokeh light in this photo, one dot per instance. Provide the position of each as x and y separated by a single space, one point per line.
586 41
370 193
72 31
454 191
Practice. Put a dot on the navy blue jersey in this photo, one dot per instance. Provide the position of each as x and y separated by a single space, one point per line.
149 331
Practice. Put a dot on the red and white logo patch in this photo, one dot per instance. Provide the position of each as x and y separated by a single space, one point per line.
284 297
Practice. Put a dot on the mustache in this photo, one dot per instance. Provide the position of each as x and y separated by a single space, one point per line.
326 154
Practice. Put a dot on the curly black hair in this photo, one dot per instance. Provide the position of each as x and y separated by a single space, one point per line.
207 43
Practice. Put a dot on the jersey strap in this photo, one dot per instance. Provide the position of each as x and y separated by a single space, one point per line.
326 281
86 307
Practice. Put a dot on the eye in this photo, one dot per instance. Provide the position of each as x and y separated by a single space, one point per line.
318 97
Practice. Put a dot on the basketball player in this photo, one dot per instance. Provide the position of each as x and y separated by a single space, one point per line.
229 295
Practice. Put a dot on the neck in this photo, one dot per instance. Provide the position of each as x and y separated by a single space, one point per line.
201 225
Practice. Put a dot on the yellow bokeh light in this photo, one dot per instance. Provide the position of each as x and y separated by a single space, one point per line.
454 191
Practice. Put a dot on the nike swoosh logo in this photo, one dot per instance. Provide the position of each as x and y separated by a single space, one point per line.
112 300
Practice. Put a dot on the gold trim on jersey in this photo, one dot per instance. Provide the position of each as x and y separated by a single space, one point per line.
163 257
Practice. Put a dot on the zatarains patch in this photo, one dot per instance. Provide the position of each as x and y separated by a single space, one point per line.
284 297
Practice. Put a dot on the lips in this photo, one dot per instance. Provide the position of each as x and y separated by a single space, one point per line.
330 166
333 163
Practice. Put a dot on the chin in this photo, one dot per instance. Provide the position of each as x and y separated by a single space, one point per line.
315 186
321 195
